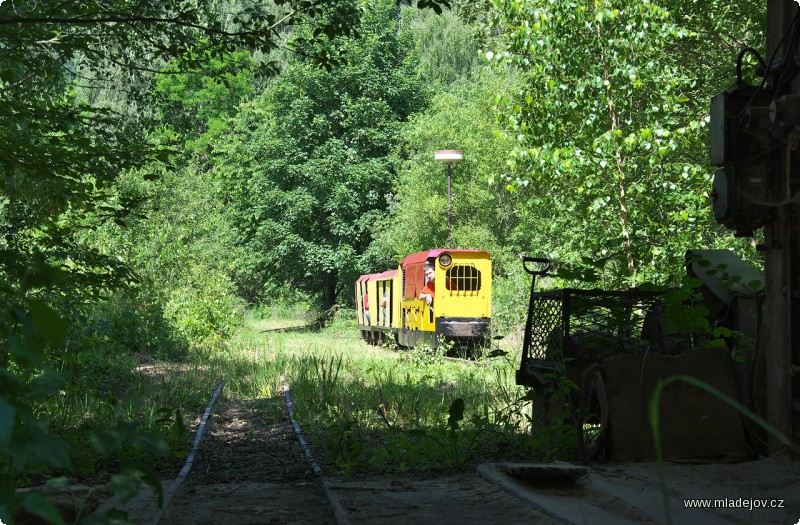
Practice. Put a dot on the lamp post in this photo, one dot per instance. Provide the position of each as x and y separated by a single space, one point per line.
449 156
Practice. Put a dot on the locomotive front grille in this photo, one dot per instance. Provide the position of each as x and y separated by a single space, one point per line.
463 280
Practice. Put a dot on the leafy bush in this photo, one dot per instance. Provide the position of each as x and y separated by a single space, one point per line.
205 308
134 321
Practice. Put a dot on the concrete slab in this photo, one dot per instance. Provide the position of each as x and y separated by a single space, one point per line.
764 491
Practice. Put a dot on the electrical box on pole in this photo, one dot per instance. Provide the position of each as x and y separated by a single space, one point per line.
755 145
742 147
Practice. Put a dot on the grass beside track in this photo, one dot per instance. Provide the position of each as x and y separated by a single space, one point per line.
362 407
376 408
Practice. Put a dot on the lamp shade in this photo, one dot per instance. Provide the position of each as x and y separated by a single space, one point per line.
448 156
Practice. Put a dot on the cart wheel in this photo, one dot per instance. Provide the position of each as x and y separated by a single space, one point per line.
592 415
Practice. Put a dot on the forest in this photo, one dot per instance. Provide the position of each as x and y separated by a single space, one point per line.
171 168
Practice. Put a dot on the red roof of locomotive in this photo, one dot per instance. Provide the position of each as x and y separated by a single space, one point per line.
414 258
422 256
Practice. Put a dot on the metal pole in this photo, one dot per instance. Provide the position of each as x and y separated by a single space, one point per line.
449 213
780 275
449 156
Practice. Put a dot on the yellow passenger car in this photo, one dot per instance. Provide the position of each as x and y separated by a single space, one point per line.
376 305
433 295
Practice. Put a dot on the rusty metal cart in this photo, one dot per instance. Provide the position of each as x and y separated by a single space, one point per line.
572 338
568 335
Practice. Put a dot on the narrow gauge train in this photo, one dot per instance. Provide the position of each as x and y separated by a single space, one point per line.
389 306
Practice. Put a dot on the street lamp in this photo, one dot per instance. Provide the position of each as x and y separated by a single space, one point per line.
449 156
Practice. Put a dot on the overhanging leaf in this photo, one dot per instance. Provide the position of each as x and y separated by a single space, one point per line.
456 412
38 505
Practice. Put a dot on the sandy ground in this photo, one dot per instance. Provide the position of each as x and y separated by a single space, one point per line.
250 469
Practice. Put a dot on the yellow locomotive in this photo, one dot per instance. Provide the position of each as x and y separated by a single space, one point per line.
432 295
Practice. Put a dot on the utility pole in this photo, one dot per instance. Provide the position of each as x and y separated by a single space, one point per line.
781 325
755 143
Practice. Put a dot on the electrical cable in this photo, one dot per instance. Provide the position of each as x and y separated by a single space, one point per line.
761 154
782 65
790 198
789 53
744 51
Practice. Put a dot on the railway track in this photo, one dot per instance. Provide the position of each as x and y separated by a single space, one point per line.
247 466
336 504
254 466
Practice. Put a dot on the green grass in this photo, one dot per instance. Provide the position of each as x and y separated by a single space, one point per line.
367 407
363 407
373 408
278 317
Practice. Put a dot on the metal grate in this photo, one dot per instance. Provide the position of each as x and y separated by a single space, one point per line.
583 327
463 278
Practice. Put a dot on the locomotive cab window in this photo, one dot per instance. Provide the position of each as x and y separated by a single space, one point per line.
463 278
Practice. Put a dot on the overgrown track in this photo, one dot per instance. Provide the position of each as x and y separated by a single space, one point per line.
252 469
300 328
246 457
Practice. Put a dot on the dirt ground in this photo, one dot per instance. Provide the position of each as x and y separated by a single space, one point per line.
251 469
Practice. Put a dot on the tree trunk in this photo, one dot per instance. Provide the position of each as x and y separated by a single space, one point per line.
329 293
622 197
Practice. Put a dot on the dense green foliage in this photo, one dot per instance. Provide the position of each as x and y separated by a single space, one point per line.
308 165
610 131
159 173
80 209
196 103
483 216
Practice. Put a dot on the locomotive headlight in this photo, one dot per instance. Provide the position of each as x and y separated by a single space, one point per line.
445 260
